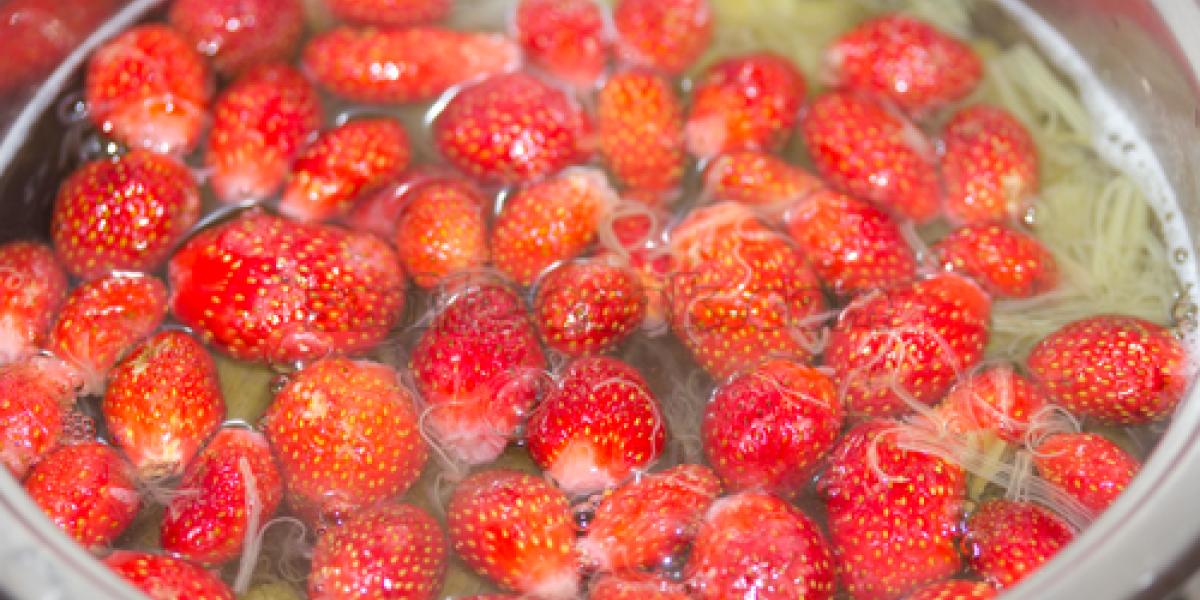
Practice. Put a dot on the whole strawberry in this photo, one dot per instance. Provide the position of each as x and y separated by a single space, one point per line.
1086 466
388 551
40 34
955 589
238 34
567 38
167 578
390 12
748 102
588 307
34 394
1005 261
87 490
1005 540
442 230
35 286
124 214
636 587
996 399
758 179
639 123
989 165
664 35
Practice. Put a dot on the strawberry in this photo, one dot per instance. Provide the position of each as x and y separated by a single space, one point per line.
34 394
955 589
262 288
147 88
477 368
103 319
39 34
768 428
636 587
1006 540
648 521
853 246
759 180
346 436
907 344
388 551
740 292
378 210
639 124
35 286
238 34
754 545
328 175
167 578
1113 368
442 230
996 399
390 12
989 164
567 38
87 490
395 66
893 512
511 129
665 35
588 307
226 496
124 214
599 425
1005 261
260 124
517 530
638 244
865 150
162 403
903 60
550 221
1086 466
747 102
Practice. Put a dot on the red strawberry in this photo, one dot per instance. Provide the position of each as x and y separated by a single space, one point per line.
162 403
635 587
748 102
1005 261
390 12
861 148
148 88
511 129
588 307
740 292
87 490
35 286
238 34
955 589
650 520
666 35
907 344
395 66
759 180
39 34
567 38
346 436
989 164
225 498
639 123
328 175
260 124
33 395
597 426
893 512
997 399
753 545
550 221
166 578
442 230
516 529
477 368
1006 540
1087 466
389 551
637 243
262 288
768 428
1114 368
103 319
906 61
124 214
853 246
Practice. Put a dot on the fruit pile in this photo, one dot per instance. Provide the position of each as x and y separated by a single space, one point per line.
578 198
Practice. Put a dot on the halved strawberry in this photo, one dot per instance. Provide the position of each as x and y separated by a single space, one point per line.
865 150
639 123
511 129
853 246
87 490
1005 261
989 165
260 124
588 307
1113 368
517 530
567 38
148 88
389 551
124 214
442 230
636 587
390 12
395 66
758 179
1086 466
262 288
238 34
167 578
665 35
346 436
758 546
768 428
648 521
34 394
904 60
1005 540
35 286
748 102
996 399
955 589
